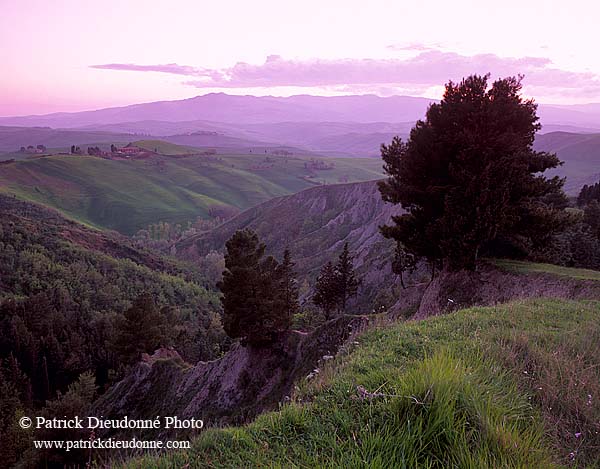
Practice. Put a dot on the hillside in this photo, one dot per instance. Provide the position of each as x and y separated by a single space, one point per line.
38 243
581 156
13 138
65 292
317 223
165 148
129 195
504 386
63 285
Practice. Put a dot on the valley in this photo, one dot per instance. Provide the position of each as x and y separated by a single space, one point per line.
318 292
128 195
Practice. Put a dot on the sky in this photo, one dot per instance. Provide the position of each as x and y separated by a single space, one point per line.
70 55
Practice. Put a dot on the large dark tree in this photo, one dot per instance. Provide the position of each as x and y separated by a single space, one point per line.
468 174
251 287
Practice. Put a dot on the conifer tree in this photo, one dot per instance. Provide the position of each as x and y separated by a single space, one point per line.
468 175
592 217
346 282
288 290
253 309
326 290
404 261
139 330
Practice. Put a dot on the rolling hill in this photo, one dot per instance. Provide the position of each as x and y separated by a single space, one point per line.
581 156
127 195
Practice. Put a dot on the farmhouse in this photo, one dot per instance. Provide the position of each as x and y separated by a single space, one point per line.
129 150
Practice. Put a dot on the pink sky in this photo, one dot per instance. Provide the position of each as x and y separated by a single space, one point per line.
68 55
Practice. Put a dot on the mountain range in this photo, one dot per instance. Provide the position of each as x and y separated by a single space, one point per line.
342 126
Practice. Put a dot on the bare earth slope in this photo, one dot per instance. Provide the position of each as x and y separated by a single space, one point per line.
315 224
232 389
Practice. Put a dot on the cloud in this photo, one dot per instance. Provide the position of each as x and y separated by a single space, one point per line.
428 68
166 68
414 46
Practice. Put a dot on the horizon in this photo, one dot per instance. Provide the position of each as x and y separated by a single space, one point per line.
73 56
559 105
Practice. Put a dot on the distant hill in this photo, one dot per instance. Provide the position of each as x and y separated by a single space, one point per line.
353 125
221 107
580 153
127 195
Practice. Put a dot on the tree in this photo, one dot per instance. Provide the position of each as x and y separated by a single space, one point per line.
288 289
588 193
591 216
75 402
326 292
139 330
251 303
468 174
404 261
346 281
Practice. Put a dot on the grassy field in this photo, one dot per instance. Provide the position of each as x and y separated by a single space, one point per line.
511 386
165 148
127 195
530 267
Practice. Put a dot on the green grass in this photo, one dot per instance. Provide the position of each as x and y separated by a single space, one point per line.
532 267
165 148
127 195
495 387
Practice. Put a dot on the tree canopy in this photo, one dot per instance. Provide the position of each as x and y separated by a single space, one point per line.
468 174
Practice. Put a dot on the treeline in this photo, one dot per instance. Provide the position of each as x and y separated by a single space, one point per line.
589 194
578 244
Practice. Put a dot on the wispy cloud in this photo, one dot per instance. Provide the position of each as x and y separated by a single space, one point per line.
166 68
414 47
430 67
